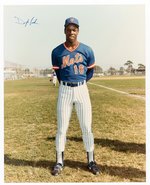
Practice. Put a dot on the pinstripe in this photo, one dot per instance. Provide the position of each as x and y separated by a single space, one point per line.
80 96
83 108
64 109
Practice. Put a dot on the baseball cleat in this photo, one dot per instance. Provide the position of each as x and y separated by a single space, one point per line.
57 169
92 166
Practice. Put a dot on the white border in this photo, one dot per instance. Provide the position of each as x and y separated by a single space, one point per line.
68 2
80 2
147 15
1 98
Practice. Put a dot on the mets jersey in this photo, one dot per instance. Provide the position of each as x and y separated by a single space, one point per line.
73 66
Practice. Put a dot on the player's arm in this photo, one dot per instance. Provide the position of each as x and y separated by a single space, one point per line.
90 65
55 65
90 72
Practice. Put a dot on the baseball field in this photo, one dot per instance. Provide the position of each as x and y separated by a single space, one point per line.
118 107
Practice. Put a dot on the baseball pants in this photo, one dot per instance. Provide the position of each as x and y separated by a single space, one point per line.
80 97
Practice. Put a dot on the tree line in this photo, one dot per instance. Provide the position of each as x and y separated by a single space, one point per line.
128 68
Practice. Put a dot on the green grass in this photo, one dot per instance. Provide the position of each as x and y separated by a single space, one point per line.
131 85
30 128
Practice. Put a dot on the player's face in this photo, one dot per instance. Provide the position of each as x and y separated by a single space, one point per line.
71 32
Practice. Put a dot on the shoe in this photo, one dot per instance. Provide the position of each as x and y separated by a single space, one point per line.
57 169
92 166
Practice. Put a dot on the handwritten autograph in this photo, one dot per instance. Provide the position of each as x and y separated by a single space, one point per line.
27 22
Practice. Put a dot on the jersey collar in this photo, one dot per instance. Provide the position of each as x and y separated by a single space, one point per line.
71 50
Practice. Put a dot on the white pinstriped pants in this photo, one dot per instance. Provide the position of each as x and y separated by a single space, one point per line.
66 97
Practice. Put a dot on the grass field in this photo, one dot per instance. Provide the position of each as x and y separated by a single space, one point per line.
118 127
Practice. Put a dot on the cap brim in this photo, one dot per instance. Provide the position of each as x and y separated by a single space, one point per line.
73 24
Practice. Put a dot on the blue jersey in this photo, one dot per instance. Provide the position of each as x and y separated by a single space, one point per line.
72 66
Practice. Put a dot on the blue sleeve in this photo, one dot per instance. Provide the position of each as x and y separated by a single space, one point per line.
54 60
58 74
90 65
89 74
91 58
55 65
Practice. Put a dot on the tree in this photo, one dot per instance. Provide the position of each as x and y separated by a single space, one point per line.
112 71
141 66
42 72
46 71
129 65
27 71
141 69
121 70
129 62
98 69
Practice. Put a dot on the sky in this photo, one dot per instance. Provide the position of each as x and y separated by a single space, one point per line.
116 33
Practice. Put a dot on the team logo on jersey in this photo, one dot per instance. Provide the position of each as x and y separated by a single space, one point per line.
67 61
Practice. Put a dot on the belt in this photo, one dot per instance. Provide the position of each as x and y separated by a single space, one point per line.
72 84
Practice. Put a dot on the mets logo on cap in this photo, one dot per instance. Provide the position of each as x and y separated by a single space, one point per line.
72 19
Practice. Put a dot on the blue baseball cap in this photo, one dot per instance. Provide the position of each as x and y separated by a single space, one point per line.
71 20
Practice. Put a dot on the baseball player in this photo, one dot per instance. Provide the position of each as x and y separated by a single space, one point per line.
73 63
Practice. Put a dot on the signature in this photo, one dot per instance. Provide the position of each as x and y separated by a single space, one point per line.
27 22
